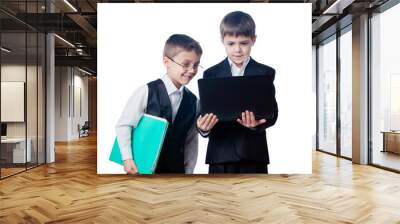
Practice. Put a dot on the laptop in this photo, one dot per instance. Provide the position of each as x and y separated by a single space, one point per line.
228 97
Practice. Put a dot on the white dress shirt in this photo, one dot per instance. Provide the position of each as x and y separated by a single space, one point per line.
175 95
236 71
136 107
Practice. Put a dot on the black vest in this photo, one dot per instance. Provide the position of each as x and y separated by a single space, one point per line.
171 158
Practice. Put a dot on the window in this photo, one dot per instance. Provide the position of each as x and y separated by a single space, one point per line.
385 89
327 96
346 93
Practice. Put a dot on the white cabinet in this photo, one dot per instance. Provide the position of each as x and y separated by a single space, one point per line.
18 149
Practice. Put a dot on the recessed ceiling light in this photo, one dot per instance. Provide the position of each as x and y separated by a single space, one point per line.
84 71
338 6
64 40
5 50
70 5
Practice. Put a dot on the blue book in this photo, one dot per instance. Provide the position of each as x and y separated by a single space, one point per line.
147 140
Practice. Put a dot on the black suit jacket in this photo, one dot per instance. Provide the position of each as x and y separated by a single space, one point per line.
230 141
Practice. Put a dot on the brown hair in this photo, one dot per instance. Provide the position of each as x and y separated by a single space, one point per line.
237 23
177 43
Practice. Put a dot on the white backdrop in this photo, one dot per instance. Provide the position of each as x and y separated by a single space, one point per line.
131 38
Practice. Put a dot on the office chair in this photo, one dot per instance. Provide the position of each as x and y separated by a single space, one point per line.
84 130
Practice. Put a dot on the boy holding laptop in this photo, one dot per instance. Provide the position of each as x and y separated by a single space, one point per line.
238 146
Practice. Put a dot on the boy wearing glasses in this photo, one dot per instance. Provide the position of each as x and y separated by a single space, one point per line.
170 99
238 146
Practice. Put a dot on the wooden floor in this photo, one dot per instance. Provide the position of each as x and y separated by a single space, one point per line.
5 172
70 191
8 171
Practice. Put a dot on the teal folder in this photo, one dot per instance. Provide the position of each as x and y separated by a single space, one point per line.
147 141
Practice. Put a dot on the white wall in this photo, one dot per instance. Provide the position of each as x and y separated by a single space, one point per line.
61 103
79 117
70 83
13 74
33 126
16 73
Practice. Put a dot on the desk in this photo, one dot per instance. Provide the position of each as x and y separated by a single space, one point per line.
391 141
17 150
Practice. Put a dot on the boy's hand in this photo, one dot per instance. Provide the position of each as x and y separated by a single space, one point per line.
207 122
130 166
248 120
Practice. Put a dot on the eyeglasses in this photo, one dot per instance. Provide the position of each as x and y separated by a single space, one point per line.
187 67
